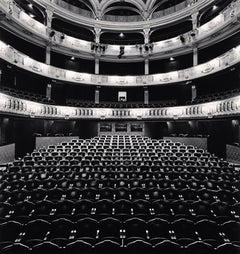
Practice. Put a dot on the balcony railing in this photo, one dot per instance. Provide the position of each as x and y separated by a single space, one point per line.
25 108
165 17
63 41
217 64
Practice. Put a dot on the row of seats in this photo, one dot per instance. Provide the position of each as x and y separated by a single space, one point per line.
147 183
122 194
70 173
26 95
215 96
108 247
91 104
121 209
152 194
63 231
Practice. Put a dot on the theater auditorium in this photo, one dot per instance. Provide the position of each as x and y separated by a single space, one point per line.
120 126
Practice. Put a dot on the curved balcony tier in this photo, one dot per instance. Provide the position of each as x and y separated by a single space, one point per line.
28 28
172 16
25 108
215 65
145 9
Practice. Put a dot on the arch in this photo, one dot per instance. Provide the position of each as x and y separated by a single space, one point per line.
153 8
107 3
92 5
121 8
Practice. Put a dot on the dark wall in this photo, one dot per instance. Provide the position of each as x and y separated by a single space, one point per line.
30 49
21 131
119 69
110 94
76 64
167 65
220 132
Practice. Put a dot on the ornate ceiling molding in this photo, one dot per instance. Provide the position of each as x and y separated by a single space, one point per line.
122 26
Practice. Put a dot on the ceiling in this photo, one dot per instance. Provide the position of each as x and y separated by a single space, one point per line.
143 8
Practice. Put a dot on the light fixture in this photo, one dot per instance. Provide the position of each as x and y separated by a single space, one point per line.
214 7
73 58
121 35
32 15
171 58
30 6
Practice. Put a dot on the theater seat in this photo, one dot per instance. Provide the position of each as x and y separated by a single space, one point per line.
16 248
110 229
184 230
231 229
77 247
199 247
86 230
46 247
35 232
158 230
228 248
107 247
138 246
168 247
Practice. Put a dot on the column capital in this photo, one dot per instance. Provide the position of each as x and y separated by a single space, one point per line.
146 31
146 34
97 31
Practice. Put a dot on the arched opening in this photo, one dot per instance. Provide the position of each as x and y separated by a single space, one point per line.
72 30
171 31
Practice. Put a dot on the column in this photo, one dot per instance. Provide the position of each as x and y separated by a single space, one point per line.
97 31
146 66
195 56
96 71
195 21
48 18
49 91
146 33
194 92
48 55
48 23
97 95
146 95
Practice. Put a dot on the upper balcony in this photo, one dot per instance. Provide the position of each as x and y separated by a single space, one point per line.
146 15
209 33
